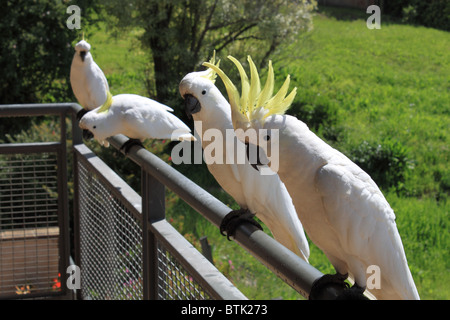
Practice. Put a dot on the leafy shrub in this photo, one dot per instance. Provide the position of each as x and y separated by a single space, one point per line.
35 50
434 13
388 162
320 116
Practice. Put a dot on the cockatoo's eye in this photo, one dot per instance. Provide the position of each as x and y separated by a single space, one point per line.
94 127
203 92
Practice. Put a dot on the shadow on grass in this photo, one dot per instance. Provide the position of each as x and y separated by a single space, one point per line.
352 14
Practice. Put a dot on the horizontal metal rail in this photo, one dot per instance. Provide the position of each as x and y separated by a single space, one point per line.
37 109
37 147
44 109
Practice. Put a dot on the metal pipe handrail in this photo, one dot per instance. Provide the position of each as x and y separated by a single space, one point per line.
44 109
37 109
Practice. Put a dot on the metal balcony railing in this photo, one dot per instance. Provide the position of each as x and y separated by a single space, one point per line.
122 243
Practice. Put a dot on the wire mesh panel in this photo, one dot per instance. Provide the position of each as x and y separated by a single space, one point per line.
111 242
174 282
29 227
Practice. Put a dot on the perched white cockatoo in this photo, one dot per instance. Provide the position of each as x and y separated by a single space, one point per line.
341 208
137 117
88 82
263 195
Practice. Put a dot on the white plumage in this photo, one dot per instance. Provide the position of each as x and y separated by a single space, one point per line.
264 195
136 117
341 208
88 82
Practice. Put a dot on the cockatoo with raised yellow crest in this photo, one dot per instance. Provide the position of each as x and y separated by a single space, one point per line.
263 195
341 208
88 81
137 117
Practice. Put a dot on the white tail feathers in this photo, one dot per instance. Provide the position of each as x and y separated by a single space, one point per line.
182 135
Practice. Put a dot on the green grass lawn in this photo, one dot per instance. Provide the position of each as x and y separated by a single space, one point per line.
122 60
391 83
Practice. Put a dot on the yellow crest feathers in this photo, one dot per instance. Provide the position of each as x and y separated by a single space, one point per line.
254 103
211 74
105 107
233 94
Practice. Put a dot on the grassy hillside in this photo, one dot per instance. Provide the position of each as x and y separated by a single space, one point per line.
357 87
388 83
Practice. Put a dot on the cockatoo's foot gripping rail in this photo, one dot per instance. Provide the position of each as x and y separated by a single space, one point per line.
122 245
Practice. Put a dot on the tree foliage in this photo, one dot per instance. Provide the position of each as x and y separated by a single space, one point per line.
181 34
34 49
433 13
35 53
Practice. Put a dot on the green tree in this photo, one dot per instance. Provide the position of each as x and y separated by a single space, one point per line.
432 13
181 34
35 53
34 50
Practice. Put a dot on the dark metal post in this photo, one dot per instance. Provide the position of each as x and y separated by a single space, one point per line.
77 138
63 202
76 215
77 133
153 210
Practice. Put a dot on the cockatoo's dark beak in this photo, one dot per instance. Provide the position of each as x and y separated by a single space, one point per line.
258 161
191 105
87 135
83 55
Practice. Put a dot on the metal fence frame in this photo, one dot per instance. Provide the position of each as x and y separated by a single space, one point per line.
150 211
156 176
61 110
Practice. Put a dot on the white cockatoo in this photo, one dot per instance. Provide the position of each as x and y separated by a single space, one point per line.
137 117
263 195
88 82
341 208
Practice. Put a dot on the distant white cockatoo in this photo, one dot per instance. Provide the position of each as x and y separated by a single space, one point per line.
137 117
88 82
341 208
263 195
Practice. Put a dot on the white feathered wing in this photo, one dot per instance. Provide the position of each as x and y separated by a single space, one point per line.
144 118
342 210
366 228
